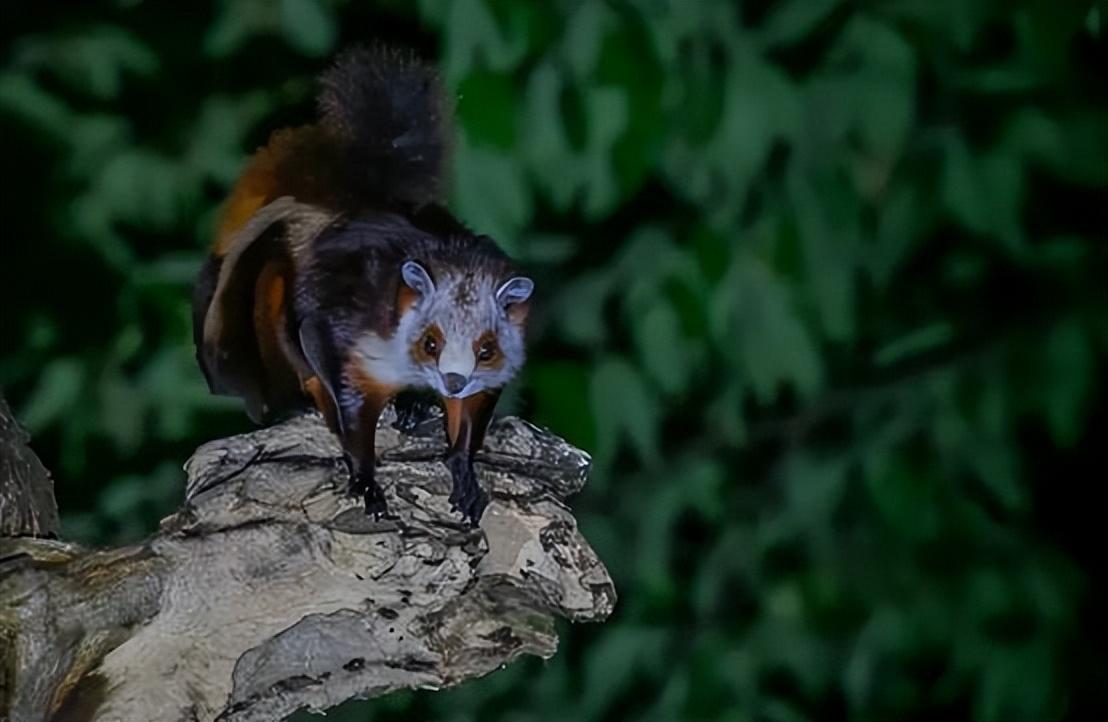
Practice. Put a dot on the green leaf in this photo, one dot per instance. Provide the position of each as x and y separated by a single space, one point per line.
121 412
905 497
624 408
882 96
238 21
472 40
760 106
914 343
666 355
1068 382
1012 686
220 133
120 500
24 99
725 415
699 486
754 323
901 220
140 188
93 61
814 488
608 112
579 308
612 664
984 192
490 192
1072 145
545 147
57 391
828 221
586 27
309 26
628 60
561 391
790 21
486 108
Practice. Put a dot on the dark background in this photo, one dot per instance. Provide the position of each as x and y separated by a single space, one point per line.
822 289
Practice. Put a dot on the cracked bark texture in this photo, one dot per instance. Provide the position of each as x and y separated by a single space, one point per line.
271 590
27 505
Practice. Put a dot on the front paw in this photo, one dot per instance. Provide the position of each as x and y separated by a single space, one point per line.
363 483
466 495
375 504
471 503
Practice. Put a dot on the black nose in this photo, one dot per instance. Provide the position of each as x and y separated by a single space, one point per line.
454 382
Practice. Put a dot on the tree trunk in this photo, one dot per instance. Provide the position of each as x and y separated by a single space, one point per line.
270 590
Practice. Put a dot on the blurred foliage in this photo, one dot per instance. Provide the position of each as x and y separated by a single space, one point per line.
824 294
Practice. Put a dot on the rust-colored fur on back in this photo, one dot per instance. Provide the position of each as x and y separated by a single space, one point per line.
298 162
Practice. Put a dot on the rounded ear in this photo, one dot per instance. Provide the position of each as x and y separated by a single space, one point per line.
514 290
417 278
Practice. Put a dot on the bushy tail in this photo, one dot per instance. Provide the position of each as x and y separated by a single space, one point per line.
389 113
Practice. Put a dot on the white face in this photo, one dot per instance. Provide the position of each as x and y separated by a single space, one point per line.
457 338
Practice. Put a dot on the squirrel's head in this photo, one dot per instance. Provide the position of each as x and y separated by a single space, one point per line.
464 329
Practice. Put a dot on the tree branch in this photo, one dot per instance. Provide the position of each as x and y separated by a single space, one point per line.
27 505
270 590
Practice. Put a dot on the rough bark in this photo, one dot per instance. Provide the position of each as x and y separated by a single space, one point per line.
271 591
27 505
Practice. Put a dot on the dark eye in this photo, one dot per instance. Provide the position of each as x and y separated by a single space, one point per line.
487 351
430 345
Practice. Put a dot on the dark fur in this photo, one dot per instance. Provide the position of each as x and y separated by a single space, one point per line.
389 113
202 293
238 369
348 284
352 276
375 162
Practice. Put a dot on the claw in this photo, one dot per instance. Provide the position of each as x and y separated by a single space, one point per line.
375 504
466 495
473 506
364 484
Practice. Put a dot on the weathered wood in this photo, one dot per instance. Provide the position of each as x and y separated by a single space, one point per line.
270 590
27 506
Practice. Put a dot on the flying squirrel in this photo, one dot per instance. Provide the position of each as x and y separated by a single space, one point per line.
338 280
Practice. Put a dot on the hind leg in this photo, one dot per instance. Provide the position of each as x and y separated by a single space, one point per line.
314 388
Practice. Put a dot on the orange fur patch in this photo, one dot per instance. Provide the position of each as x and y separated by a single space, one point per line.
455 414
271 333
322 400
370 388
517 312
374 396
293 163
467 417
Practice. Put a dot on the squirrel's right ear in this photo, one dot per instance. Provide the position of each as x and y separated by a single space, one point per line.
515 290
513 295
417 278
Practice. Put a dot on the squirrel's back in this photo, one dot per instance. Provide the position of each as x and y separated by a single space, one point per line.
380 140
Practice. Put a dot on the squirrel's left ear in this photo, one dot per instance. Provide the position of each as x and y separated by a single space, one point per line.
512 297
417 278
